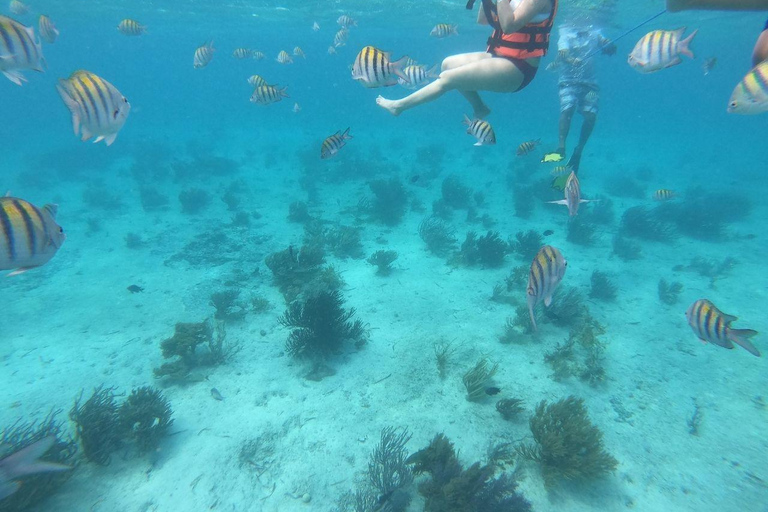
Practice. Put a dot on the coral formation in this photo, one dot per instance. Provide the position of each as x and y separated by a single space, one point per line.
455 194
383 261
510 408
437 235
97 424
390 201
193 346
567 445
581 231
293 269
527 244
669 292
151 199
626 249
344 242
194 200
567 307
601 287
388 473
443 353
524 202
227 305
146 416
299 212
488 250
601 211
477 378
640 222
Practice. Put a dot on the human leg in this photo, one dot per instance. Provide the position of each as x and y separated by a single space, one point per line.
566 116
760 53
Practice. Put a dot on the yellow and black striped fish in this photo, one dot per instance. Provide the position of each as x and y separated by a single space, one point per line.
129 27
284 58
527 146
257 55
298 52
442 30
242 53
29 236
340 39
98 109
751 94
373 68
257 81
481 130
19 50
664 195
346 21
48 31
203 55
417 76
334 143
660 49
712 325
547 270
267 94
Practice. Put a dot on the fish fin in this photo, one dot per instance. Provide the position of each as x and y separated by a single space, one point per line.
741 337
52 209
467 120
431 72
7 193
345 134
397 68
109 139
729 318
283 93
24 461
478 143
562 201
548 300
71 104
19 271
683 46
98 139
14 76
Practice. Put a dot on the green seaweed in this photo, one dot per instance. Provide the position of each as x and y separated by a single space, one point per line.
438 236
383 261
146 416
97 424
476 379
510 408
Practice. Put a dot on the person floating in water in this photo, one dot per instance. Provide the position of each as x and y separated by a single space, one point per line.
578 83
520 38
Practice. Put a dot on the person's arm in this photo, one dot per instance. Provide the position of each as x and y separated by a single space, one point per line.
715 5
760 53
512 20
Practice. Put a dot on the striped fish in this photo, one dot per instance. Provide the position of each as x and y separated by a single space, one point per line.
98 109
257 55
527 146
572 195
298 52
751 94
242 53
268 94
713 326
340 39
29 236
373 68
663 195
48 31
334 143
284 58
418 76
129 27
18 8
203 55
660 49
547 270
481 130
257 81
331 50
559 170
19 50
442 30
346 22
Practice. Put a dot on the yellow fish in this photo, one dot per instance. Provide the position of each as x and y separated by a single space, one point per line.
552 157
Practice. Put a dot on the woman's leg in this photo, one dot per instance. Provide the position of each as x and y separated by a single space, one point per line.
477 74
479 108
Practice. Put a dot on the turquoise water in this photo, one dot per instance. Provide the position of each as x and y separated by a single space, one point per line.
686 422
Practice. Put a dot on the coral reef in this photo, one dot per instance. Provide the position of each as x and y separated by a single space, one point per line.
527 244
601 211
488 250
477 378
320 325
601 287
437 235
293 269
97 424
581 231
390 201
455 194
567 307
194 200
443 354
151 199
705 216
100 197
194 346
388 472
567 445
202 166
640 222
626 249
146 417
299 212
383 261
227 305
344 242
508 291
510 408
441 209
669 292
621 184
713 269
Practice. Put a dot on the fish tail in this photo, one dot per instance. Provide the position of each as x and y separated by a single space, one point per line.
397 68
741 338
683 46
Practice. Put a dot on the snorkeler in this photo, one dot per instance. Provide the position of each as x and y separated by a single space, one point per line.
520 38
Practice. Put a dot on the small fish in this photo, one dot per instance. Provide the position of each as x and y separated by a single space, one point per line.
134 288
373 68
284 58
216 395
340 39
751 94
527 146
18 8
29 236
660 49
48 31
713 326
296 108
268 94
709 64
298 52
315 27
257 55
203 55
442 30
257 81
332 145
548 232
418 76
331 50
552 157
409 62
572 195
481 130
414 178
559 170
19 50
242 53
98 109
346 22
492 390
129 27
547 270
25 462
664 195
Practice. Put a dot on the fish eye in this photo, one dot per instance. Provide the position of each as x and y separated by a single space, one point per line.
733 104
61 230
125 100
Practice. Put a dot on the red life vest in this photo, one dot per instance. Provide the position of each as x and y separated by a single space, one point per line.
531 40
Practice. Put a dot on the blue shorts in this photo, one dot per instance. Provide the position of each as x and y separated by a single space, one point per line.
581 96
766 26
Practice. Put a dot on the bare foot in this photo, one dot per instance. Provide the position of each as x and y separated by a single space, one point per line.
390 105
482 112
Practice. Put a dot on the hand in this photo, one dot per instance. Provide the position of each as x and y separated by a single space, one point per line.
609 49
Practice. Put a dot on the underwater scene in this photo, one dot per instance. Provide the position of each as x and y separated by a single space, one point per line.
235 281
